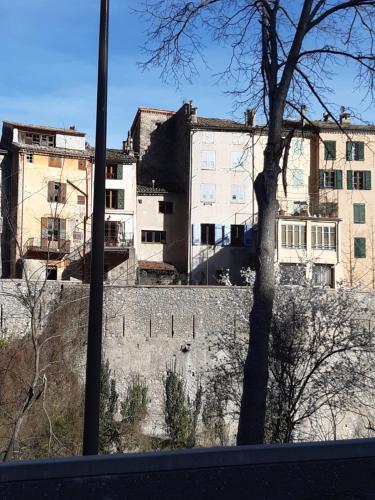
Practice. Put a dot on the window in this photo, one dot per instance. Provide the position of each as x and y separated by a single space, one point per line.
208 138
55 161
237 193
53 229
29 157
292 274
81 200
358 179
208 160
297 177
237 160
154 237
166 207
330 179
360 248
81 164
355 151
114 198
38 139
77 236
238 139
323 237
329 150
56 192
208 234
297 146
328 209
293 236
299 208
322 275
208 193
51 273
111 232
114 172
359 213
237 233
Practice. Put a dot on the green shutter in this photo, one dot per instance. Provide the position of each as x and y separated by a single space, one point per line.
360 151
321 179
367 179
349 179
359 248
349 150
330 150
359 213
120 199
338 179
119 171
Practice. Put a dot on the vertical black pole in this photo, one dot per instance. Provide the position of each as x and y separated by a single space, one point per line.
94 342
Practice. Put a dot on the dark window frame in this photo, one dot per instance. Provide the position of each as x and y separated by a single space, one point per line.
237 235
153 236
208 234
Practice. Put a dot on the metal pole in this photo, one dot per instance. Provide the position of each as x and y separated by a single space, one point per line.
94 342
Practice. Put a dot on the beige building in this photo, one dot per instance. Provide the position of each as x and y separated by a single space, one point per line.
46 198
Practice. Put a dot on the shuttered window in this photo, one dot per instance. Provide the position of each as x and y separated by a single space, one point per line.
330 179
114 198
355 151
114 172
81 164
208 234
237 235
358 179
55 161
329 150
53 229
208 160
237 159
359 213
360 248
208 193
237 193
56 192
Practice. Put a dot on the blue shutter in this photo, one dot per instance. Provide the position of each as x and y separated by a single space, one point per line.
367 179
218 235
248 235
227 235
196 229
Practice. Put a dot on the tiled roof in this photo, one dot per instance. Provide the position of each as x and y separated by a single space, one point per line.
330 125
218 123
149 190
42 128
48 150
155 266
118 155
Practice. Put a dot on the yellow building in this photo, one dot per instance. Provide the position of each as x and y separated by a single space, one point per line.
47 186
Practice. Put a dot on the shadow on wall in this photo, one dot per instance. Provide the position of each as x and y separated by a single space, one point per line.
214 261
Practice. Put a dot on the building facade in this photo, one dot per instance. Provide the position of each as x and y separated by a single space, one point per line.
46 198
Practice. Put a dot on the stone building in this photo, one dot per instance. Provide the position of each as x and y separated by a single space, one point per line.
45 198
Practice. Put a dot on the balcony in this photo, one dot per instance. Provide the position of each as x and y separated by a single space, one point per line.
119 241
37 248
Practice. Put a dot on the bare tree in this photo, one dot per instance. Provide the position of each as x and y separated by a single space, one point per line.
321 353
282 55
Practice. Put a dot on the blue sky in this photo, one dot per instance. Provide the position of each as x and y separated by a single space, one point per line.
48 69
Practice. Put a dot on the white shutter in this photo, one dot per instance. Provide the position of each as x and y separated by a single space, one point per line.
208 138
236 160
208 160
196 228
218 235
227 238
208 193
237 193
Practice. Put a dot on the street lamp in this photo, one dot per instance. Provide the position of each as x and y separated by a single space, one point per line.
94 339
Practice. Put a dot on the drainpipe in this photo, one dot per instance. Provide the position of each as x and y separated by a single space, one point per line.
190 203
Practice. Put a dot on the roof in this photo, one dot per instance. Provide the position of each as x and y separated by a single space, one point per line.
155 266
150 190
48 150
219 123
118 155
330 126
42 128
156 110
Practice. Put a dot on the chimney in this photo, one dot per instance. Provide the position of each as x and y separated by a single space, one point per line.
303 111
344 116
250 115
127 146
193 115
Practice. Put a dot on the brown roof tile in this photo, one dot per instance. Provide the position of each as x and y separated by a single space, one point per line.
41 128
155 266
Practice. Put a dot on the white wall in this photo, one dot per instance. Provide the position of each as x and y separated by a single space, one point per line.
70 142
